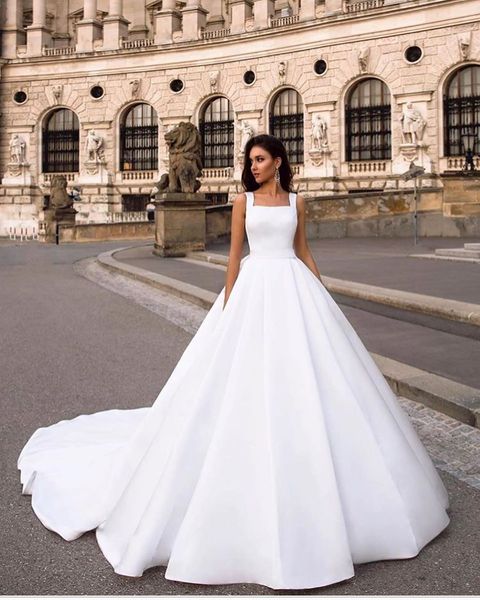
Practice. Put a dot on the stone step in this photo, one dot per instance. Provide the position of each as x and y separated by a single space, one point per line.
458 252
472 246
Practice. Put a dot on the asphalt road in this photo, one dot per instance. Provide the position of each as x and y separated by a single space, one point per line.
70 346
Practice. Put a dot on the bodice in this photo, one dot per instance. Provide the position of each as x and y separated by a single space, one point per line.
271 229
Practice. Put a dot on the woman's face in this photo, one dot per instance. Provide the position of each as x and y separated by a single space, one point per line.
262 164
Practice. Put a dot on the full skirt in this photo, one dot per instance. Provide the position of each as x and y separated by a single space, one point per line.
276 453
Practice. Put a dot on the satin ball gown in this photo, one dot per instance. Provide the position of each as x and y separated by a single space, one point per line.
276 453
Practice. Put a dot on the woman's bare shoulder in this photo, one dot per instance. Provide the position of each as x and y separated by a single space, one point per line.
239 198
300 202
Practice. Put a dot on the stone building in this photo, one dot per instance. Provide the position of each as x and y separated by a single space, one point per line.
357 90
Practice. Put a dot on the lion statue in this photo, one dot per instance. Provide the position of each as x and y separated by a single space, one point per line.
59 198
185 163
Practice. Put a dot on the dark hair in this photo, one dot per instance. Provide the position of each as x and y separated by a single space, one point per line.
275 147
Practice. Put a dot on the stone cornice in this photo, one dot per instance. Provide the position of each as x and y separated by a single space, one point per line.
423 96
321 106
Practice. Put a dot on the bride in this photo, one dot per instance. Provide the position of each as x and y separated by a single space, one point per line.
276 453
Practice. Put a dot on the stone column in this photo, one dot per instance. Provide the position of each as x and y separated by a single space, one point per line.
88 29
89 10
61 37
115 26
167 21
241 11
38 35
264 9
194 18
139 29
12 30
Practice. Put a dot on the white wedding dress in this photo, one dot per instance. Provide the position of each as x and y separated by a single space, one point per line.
276 453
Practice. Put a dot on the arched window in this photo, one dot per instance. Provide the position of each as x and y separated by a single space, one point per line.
286 123
139 139
462 111
368 121
216 131
60 142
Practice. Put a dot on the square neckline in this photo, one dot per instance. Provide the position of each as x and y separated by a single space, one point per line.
289 205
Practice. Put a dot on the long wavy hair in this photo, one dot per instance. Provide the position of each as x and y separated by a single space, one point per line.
276 149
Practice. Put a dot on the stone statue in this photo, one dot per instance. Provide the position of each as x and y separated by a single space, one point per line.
464 45
247 132
413 124
213 76
135 87
282 69
185 163
57 91
18 148
363 56
59 198
319 132
94 147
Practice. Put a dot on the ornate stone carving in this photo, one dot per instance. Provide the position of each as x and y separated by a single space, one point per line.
319 132
213 77
94 147
18 150
282 71
18 169
464 44
135 86
412 148
185 163
363 57
319 152
57 93
413 124
247 133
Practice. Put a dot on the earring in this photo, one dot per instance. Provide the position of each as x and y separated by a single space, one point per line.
277 175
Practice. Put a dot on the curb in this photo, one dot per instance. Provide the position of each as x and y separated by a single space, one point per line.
454 310
187 291
456 400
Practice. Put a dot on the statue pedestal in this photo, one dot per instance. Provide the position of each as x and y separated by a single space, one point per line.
409 152
180 223
95 172
17 174
57 216
322 165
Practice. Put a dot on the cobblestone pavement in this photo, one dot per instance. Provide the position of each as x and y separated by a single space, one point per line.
453 446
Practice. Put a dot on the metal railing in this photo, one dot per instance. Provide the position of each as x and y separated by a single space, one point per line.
22 230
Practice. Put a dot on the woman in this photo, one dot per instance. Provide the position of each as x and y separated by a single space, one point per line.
276 453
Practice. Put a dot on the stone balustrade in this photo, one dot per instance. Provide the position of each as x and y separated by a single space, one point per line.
170 25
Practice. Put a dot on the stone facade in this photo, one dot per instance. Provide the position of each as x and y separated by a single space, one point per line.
134 53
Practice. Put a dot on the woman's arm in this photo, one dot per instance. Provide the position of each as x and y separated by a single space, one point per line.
237 238
300 241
